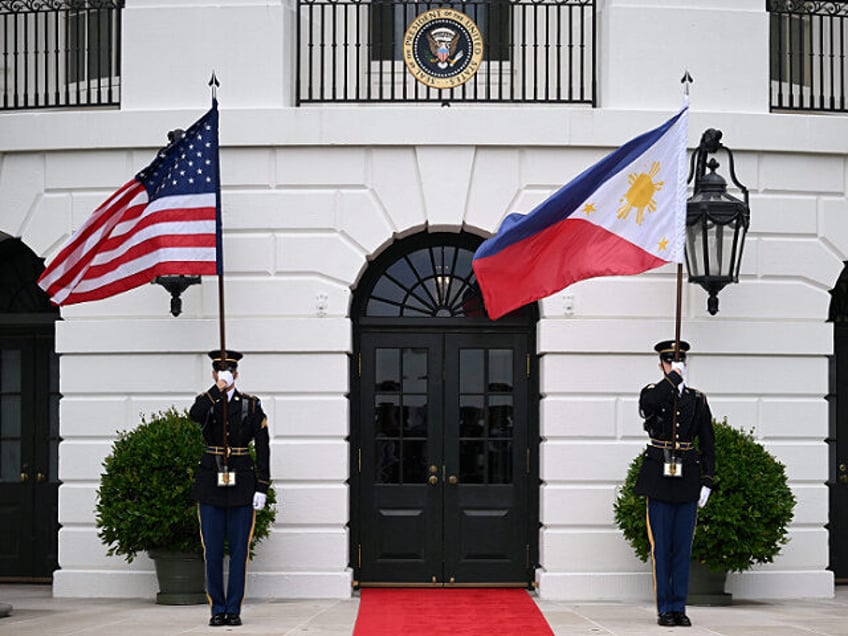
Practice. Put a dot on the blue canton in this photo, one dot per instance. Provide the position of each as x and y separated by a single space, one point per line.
189 164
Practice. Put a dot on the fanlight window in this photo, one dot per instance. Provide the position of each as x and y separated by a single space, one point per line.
435 281
19 271
424 277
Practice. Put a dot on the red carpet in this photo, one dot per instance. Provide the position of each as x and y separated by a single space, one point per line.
452 612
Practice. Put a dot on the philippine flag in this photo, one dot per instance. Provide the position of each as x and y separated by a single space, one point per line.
624 215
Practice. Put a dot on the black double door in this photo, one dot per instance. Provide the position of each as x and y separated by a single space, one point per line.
445 463
837 438
29 437
838 443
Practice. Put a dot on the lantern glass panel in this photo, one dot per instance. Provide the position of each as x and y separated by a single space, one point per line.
695 249
720 245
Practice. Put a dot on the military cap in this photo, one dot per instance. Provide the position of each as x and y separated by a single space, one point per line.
666 350
230 360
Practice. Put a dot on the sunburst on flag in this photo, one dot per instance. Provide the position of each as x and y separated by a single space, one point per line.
641 194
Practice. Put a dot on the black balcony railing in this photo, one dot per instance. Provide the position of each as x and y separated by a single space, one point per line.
809 42
60 53
532 51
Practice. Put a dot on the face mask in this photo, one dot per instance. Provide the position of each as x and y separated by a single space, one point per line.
227 376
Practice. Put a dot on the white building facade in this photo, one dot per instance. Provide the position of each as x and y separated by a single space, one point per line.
314 193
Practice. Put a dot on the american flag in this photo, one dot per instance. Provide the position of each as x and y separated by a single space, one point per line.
165 221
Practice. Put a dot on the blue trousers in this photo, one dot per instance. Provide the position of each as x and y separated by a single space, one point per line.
671 527
235 525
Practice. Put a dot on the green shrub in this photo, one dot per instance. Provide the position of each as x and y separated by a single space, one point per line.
144 501
746 519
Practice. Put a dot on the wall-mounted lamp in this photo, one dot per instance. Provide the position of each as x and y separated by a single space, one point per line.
716 222
176 285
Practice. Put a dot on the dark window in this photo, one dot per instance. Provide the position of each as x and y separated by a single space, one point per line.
390 19
790 36
60 53
90 45
532 51
808 44
486 416
400 412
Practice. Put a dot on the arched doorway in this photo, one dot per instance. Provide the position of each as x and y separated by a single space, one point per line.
444 424
837 438
29 419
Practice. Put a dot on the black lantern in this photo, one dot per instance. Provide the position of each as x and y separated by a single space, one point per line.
176 285
716 222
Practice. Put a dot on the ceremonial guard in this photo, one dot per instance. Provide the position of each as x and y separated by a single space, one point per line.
676 477
228 487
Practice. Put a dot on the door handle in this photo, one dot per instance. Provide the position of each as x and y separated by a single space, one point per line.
24 477
453 480
433 480
41 478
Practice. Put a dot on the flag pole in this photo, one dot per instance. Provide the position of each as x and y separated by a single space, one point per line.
677 312
213 85
685 80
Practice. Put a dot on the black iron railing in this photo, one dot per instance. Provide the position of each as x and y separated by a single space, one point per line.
809 42
377 51
60 53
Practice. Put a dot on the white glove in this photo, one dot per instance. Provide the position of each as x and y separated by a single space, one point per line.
226 376
258 500
705 494
680 368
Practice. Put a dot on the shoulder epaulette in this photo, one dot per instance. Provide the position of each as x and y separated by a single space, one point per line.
252 400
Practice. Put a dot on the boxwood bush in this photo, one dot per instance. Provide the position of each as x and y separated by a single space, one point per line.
746 519
144 501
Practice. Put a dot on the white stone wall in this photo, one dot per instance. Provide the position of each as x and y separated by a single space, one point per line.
310 195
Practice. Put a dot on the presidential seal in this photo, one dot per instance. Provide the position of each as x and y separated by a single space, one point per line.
442 48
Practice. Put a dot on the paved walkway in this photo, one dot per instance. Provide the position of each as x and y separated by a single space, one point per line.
36 613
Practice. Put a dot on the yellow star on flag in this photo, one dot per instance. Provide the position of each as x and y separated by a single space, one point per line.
662 246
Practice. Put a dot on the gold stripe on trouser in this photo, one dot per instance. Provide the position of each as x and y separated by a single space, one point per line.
247 556
203 543
694 528
653 555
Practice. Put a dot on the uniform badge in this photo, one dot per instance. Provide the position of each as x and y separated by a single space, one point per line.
227 478
672 466
442 48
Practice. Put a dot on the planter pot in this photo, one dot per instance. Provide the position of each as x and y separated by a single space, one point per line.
707 587
182 577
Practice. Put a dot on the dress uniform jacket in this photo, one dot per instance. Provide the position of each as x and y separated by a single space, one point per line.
246 422
694 421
